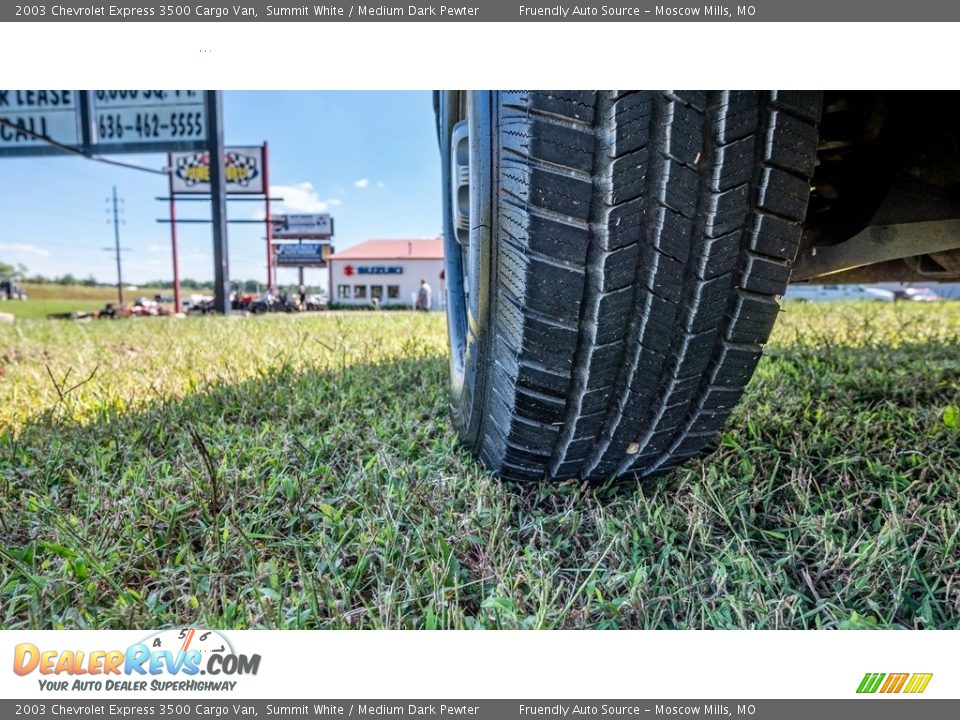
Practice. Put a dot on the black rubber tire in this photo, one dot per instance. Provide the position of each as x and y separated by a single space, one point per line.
633 246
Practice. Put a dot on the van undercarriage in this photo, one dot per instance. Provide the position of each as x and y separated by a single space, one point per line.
884 202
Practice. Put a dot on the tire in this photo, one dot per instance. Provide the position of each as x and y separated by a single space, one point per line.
621 274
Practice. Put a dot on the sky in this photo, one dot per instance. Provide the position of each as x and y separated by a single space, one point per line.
370 159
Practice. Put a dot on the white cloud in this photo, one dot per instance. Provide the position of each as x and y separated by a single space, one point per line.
24 249
361 183
301 198
380 184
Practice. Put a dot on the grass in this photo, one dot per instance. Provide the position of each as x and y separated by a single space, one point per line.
53 298
301 472
39 309
55 291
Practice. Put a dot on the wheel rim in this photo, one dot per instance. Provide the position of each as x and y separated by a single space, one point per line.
459 189
466 231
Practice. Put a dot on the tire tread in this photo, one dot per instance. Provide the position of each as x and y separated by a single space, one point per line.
644 238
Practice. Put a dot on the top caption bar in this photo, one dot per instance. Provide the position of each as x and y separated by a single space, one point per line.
481 10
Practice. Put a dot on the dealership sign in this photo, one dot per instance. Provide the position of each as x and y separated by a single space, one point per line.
373 270
169 660
242 170
317 226
302 254
49 114
43 122
137 116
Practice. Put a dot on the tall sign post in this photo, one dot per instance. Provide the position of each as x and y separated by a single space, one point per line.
289 248
177 306
218 201
266 219
244 176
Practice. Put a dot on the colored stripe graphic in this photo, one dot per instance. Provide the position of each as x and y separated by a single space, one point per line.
918 682
894 683
870 682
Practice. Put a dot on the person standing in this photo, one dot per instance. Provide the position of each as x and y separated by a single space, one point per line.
424 296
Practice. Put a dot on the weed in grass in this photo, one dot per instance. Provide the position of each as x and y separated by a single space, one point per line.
301 472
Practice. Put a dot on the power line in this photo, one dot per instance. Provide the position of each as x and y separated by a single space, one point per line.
81 153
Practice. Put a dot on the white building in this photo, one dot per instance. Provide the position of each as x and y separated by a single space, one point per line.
388 270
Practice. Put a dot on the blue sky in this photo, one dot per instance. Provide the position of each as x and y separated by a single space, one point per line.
368 158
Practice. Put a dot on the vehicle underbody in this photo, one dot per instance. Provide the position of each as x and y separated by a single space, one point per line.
885 194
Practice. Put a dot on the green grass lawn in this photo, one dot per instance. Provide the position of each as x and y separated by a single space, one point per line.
93 295
52 298
302 472
39 309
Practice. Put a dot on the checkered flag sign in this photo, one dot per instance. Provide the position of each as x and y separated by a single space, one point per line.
239 169
194 169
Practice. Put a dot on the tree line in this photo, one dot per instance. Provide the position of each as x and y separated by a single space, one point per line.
20 271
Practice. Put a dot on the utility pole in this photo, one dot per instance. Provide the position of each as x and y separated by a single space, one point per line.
116 249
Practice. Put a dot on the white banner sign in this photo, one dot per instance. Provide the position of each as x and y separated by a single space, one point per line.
242 167
302 226
32 116
147 116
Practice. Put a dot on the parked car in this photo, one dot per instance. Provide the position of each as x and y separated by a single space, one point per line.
613 259
317 302
921 295
284 302
197 304
833 293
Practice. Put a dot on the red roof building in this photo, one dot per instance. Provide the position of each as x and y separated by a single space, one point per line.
413 249
387 272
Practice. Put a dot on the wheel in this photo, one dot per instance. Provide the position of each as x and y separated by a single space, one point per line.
613 261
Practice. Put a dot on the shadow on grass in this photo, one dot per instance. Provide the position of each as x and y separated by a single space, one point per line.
340 500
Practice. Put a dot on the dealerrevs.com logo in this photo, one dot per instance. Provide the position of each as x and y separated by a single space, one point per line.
183 660
891 683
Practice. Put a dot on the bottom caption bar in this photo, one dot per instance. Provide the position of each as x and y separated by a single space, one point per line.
872 708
